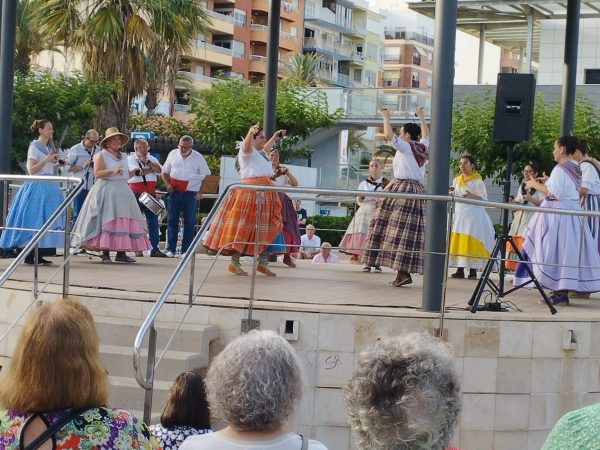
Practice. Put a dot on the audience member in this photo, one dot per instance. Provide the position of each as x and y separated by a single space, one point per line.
146 169
326 256
81 164
404 395
183 174
56 377
254 384
301 213
185 412
576 430
309 243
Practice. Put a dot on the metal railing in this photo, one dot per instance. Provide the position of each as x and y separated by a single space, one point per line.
33 243
148 328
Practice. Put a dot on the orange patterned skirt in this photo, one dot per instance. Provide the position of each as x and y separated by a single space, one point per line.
235 224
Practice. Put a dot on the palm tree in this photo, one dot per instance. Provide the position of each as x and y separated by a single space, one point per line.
29 42
303 69
175 33
113 36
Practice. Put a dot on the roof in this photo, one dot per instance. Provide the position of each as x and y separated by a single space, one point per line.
506 21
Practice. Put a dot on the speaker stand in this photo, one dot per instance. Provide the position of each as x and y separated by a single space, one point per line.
500 250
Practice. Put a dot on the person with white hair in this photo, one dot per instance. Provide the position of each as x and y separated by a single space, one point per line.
326 256
255 385
404 395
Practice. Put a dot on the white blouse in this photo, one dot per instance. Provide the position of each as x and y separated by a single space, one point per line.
405 165
254 165
476 187
33 152
561 186
589 178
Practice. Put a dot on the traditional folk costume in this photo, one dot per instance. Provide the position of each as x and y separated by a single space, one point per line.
355 237
590 179
33 205
235 224
519 224
561 248
472 237
110 218
291 232
397 229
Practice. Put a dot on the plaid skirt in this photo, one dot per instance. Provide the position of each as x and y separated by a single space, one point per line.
397 230
234 226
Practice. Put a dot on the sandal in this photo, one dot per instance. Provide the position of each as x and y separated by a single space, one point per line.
406 279
265 270
236 269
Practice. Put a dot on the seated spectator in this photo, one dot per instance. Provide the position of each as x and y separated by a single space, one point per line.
254 384
55 377
404 395
575 430
326 256
309 243
185 412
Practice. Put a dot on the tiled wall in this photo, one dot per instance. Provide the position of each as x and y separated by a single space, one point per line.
517 379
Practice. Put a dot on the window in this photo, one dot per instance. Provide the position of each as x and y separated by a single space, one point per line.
373 51
293 31
239 17
429 80
391 53
310 9
357 75
370 78
429 57
238 49
592 76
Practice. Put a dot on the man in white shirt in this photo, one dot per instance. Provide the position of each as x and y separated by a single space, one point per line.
146 168
326 256
183 173
309 243
81 164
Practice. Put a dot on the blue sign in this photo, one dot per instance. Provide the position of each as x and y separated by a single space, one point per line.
142 135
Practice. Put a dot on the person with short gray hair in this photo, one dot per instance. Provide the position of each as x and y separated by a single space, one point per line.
404 395
255 385
81 163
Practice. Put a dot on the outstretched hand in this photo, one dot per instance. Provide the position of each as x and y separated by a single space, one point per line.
386 113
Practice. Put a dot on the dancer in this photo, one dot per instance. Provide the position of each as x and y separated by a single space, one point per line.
590 186
355 237
110 218
291 233
561 249
521 218
36 201
234 226
472 238
397 230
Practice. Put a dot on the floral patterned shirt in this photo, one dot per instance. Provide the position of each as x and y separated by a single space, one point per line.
96 428
171 438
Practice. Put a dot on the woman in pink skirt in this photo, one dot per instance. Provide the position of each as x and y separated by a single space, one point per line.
110 218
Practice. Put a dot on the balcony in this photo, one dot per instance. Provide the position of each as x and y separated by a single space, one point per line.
358 57
339 79
341 52
258 64
199 81
415 83
220 22
289 10
409 36
212 54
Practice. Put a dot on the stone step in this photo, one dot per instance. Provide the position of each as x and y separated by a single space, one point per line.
122 331
127 394
117 360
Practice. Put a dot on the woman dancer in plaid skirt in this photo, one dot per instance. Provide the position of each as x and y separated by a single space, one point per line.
397 230
234 226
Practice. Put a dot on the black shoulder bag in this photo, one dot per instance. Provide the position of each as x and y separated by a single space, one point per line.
50 431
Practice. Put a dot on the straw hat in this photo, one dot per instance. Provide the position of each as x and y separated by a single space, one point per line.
114 131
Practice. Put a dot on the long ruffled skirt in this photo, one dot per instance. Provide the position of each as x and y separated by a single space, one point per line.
472 237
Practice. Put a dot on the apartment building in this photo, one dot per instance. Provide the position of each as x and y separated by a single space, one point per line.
347 35
235 45
408 69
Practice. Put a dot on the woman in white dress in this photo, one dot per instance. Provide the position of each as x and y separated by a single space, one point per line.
472 238
355 237
525 196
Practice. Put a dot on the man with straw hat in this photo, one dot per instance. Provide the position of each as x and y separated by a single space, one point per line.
110 218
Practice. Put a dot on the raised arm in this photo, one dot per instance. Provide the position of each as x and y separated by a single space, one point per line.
386 114
269 144
424 128
247 142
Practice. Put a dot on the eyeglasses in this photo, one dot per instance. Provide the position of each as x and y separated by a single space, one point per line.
92 141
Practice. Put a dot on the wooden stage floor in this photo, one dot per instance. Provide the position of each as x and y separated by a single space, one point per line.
309 286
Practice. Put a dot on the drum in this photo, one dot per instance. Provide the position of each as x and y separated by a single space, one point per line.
151 203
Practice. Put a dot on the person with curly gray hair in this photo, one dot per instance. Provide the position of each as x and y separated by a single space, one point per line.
404 395
255 385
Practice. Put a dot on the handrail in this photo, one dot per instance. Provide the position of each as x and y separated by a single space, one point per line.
148 324
59 211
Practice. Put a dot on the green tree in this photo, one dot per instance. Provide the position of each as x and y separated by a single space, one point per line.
224 113
69 102
29 41
473 124
114 36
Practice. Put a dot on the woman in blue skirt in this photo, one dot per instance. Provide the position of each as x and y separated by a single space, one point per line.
36 201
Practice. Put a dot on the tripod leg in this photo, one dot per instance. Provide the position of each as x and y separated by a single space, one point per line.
534 280
485 277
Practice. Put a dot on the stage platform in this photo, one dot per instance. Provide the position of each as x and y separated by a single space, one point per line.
521 370
326 287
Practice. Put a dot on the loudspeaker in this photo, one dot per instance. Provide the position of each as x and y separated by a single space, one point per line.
515 98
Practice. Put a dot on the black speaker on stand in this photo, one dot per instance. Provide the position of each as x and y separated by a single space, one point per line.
515 99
